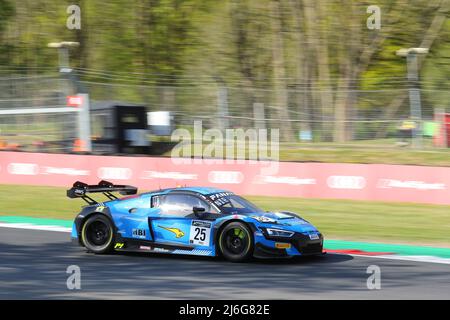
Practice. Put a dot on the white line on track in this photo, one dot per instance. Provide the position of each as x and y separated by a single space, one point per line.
429 259
30 226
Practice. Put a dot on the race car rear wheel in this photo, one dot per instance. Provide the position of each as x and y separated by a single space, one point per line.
97 234
236 242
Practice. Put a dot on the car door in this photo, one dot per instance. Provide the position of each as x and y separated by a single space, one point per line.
177 224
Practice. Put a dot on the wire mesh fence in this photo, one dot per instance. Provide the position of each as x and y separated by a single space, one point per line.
30 114
367 113
356 117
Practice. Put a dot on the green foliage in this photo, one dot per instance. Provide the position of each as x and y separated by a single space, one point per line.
6 12
193 42
435 75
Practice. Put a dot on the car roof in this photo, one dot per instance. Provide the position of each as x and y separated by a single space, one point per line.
201 190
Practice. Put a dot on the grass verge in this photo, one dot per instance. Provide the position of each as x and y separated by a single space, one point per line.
381 151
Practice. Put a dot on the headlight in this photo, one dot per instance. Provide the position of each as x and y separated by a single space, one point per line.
279 233
264 219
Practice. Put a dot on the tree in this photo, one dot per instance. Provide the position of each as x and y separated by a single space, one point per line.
6 12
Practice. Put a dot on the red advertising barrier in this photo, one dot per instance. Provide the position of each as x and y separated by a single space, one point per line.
305 180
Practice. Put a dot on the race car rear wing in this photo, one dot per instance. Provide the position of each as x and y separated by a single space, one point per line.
80 190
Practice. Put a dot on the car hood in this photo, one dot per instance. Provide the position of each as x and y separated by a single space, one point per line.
284 220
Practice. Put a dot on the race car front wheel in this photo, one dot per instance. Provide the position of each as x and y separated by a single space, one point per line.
236 242
97 234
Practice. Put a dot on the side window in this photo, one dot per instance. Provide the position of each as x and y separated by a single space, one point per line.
236 204
181 204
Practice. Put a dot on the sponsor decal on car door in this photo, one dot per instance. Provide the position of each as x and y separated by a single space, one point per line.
171 230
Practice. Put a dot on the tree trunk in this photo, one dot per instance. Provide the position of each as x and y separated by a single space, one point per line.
279 73
314 11
301 69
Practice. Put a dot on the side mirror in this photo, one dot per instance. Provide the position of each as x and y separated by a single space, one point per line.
199 211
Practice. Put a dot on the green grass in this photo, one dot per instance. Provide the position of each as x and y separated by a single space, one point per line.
381 151
38 201
357 154
337 219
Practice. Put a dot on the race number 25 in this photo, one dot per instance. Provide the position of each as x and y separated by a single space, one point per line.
200 232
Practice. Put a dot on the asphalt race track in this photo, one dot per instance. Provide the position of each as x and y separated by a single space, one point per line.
33 265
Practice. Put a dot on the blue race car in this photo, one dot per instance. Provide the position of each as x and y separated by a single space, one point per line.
190 220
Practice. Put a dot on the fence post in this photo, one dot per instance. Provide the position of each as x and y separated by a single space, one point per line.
414 99
84 123
258 114
222 105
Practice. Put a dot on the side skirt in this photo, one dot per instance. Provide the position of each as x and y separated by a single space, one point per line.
132 245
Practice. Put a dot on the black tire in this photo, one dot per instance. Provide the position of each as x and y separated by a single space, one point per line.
236 242
97 234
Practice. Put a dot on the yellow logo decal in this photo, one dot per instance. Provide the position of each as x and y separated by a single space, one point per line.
100 208
118 245
178 232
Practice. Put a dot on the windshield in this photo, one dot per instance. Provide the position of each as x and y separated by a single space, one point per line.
229 203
